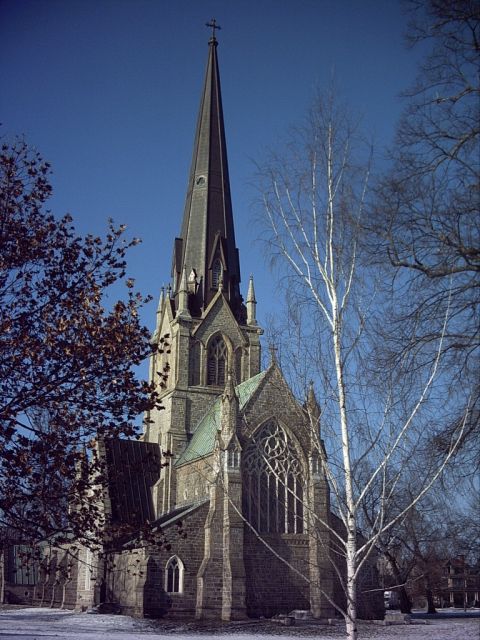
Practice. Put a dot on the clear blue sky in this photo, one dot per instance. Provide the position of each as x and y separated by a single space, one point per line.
108 92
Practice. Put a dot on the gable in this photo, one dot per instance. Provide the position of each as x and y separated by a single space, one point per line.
274 399
219 318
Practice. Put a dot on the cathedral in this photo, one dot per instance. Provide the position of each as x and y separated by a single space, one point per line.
242 501
244 479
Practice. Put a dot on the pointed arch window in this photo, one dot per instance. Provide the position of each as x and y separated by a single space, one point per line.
216 361
174 571
238 365
216 273
194 357
273 487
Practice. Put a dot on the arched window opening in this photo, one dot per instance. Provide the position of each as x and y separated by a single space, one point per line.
233 458
238 366
194 368
273 482
216 362
216 273
88 569
174 575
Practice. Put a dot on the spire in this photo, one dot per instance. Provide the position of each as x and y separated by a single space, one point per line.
207 240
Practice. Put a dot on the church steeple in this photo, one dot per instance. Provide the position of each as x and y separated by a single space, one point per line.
206 248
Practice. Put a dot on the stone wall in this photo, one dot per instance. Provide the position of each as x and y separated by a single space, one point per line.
137 581
272 587
193 480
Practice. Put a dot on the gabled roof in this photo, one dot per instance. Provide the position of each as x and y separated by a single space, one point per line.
173 516
203 439
133 468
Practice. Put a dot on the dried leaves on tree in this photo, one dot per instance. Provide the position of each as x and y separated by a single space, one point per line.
66 356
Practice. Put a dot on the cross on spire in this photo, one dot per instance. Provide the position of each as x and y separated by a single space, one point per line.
213 24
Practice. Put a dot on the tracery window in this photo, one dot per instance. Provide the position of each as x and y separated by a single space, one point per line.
22 565
88 569
216 361
174 575
216 273
273 485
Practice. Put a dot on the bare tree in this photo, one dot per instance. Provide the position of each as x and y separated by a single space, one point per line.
314 195
437 529
428 206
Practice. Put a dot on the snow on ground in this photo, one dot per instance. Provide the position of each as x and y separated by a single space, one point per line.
56 624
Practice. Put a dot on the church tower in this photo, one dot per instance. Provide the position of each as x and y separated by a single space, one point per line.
205 333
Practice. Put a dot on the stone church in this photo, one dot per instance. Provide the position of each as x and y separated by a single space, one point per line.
246 479
244 474
243 501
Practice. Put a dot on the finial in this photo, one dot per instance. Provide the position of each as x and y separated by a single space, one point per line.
183 310
311 404
213 24
273 354
183 281
229 390
251 303
161 300
251 291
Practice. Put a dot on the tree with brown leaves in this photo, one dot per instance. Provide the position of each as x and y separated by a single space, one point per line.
66 358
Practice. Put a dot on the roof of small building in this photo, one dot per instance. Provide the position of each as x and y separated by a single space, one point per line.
133 468
175 515
203 439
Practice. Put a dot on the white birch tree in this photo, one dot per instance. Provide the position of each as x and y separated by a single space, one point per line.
313 197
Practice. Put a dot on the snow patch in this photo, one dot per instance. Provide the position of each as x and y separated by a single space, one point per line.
44 624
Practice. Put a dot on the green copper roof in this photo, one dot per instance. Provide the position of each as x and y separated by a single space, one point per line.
203 439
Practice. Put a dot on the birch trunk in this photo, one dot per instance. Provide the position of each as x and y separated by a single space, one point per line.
351 546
